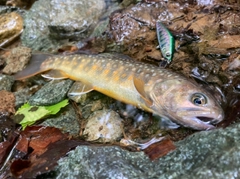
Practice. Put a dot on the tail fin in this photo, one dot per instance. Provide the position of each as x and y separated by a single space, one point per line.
34 67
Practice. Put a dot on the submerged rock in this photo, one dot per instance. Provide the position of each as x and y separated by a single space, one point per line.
207 154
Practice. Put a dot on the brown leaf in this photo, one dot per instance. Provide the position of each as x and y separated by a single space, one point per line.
45 162
38 138
226 42
159 149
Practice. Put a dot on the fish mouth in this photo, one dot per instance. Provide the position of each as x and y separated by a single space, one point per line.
207 119
203 121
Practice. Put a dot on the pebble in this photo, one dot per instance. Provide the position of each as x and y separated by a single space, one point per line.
104 125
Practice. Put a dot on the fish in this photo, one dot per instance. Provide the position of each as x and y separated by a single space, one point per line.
160 91
166 41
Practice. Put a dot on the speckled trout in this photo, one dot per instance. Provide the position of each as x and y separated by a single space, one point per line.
153 89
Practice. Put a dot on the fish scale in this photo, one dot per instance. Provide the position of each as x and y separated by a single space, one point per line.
153 89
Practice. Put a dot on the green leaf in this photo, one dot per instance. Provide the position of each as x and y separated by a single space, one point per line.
54 109
31 114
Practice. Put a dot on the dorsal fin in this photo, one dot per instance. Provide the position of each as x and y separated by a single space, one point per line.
33 67
139 85
79 88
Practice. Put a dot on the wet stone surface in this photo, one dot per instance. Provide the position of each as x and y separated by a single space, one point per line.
51 93
208 154
6 82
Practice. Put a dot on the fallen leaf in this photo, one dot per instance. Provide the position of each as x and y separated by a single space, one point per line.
47 146
30 114
226 42
159 149
38 138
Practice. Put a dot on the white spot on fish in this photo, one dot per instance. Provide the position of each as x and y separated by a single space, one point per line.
139 71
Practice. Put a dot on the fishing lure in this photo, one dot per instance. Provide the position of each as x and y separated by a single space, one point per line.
166 41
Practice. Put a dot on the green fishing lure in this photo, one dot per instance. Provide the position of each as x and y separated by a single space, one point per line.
166 41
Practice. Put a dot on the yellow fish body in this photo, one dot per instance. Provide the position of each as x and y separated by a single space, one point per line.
160 91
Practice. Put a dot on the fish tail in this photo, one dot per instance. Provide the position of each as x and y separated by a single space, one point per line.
34 67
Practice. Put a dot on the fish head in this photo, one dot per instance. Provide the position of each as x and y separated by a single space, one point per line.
186 103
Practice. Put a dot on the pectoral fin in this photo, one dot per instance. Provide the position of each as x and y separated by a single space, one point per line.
55 74
78 88
139 85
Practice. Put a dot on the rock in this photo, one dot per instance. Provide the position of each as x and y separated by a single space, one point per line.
11 26
17 60
67 121
57 20
6 82
51 93
104 125
208 154
22 96
7 102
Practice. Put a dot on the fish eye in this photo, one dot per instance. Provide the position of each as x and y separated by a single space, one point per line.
199 99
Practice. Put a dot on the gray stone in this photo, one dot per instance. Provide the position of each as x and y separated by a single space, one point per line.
50 20
207 154
21 97
6 82
67 121
51 93
104 125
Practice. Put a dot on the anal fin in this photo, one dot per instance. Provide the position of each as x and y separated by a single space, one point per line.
79 88
139 85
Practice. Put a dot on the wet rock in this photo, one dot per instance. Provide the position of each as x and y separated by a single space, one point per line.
51 93
57 20
17 60
67 121
208 154
7 102
6 82
104 125
11 26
